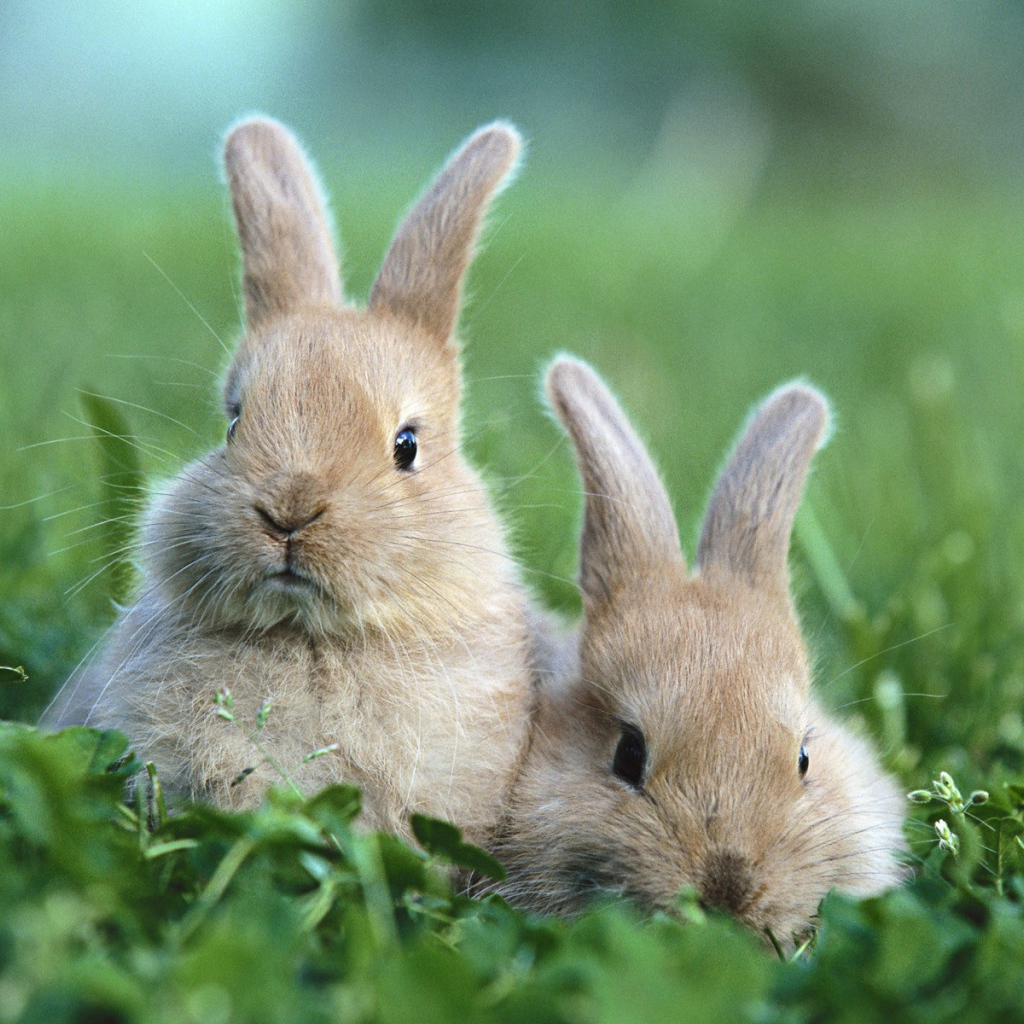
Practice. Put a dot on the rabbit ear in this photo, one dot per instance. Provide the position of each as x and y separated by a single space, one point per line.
750 517
288 258
421 277
628 525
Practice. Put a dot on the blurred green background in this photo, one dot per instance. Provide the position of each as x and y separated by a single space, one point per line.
717 196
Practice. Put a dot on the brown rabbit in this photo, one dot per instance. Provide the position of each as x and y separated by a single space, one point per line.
337 557
686 748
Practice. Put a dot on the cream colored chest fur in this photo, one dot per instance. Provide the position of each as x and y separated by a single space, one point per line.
433 727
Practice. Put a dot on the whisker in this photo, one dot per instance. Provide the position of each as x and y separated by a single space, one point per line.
166 359
183 298
889 650
145 409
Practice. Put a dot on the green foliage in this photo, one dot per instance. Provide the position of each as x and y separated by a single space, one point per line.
119 912
122 488
444 840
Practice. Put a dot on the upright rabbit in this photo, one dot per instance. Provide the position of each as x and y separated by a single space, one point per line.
337 557
687 749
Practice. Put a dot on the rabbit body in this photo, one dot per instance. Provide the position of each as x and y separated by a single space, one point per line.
685 748
441 743
337 557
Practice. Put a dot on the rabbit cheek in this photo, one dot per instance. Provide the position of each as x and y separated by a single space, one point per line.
592 872
185 544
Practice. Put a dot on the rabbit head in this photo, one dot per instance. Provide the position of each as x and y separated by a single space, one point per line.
687 749
341 465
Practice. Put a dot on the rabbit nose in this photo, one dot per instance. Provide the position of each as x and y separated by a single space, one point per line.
288 522
727 883
290 503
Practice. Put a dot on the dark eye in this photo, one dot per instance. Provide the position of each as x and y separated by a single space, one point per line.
236 415
630 756
803 762
405 448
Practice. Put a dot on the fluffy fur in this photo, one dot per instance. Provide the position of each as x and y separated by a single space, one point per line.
376 607
711 668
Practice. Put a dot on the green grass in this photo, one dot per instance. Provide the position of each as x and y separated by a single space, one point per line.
904 301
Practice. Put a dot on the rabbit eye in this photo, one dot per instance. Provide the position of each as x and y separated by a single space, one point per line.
405 448
803 762
630 756
236 415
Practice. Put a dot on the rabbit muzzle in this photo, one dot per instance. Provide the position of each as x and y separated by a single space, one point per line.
727 882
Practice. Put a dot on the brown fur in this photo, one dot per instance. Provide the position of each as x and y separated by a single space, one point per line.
404 638
712 669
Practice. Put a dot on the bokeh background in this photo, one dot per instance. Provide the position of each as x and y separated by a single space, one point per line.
718 195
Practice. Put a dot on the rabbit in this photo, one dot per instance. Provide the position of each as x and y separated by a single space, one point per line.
683 747
336 557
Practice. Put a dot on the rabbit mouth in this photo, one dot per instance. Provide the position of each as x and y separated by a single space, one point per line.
290 580
291 587
287 595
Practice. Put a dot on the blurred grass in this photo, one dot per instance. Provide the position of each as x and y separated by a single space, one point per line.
903 299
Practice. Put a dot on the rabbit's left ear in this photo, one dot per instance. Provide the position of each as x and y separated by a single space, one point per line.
750 516
421 277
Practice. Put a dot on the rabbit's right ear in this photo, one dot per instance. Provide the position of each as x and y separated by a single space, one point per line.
421 277
288 257
750 516
628 525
